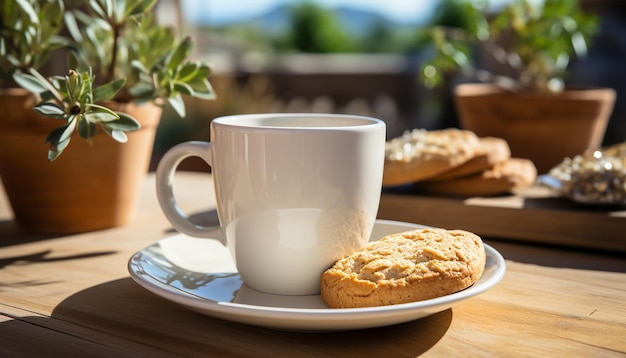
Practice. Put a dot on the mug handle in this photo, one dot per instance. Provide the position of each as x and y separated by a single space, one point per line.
164 187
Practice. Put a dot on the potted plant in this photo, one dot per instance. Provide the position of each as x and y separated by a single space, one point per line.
524 50
122 68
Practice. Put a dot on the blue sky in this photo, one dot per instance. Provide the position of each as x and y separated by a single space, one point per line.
220 11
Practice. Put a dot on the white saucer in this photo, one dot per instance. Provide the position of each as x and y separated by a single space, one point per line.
199 274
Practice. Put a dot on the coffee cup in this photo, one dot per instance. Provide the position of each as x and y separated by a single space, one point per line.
294 192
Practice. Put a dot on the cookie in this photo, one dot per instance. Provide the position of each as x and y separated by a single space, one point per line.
405 267
421 154
490 151
504 177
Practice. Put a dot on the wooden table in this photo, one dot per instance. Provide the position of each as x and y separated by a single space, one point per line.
72 296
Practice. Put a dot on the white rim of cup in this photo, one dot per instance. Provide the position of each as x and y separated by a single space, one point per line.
242 120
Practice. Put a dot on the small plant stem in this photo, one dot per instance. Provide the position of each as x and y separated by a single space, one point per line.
110 75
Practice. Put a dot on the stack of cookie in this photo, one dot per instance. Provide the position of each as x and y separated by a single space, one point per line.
455 162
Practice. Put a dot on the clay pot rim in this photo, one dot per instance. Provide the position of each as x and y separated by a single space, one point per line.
573 93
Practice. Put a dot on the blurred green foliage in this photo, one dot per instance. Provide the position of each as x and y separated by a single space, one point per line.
531 44
314 28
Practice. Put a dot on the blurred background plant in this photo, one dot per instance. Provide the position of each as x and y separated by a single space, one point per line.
531 44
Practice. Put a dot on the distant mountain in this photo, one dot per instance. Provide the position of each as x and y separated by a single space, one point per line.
361 21
273 21
356 21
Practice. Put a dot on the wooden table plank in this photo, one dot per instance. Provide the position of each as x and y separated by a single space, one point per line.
41 336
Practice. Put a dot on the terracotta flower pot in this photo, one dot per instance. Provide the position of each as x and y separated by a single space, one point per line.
89 187
545 128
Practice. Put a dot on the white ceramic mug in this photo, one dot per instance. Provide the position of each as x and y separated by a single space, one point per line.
295 192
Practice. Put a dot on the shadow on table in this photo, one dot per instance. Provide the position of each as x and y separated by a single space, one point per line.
11 235
555 256
42 257
122 308
37 336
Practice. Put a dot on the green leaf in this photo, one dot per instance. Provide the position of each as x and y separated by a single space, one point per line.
145 5
108 90
139 66
177 103
184 88
202 73
61 134
118 136
72 27
138 7
72 60
203 89
120 10
204 70
141 90
101 117
92 32
579 44
28 9
96 108
56 150
53 154
49 109
13 60
84 89
188 72
86 129
57 42
60 83
180 54
108 7
46 96
125 123
30 82
54 10
95 6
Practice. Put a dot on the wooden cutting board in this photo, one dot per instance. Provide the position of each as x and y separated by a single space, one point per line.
530 215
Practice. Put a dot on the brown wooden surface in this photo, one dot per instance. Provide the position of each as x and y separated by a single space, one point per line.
532 215
72 296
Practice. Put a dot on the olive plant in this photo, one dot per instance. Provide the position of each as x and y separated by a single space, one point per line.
115 52
532 41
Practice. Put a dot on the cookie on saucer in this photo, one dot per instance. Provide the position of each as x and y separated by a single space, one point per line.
405 267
